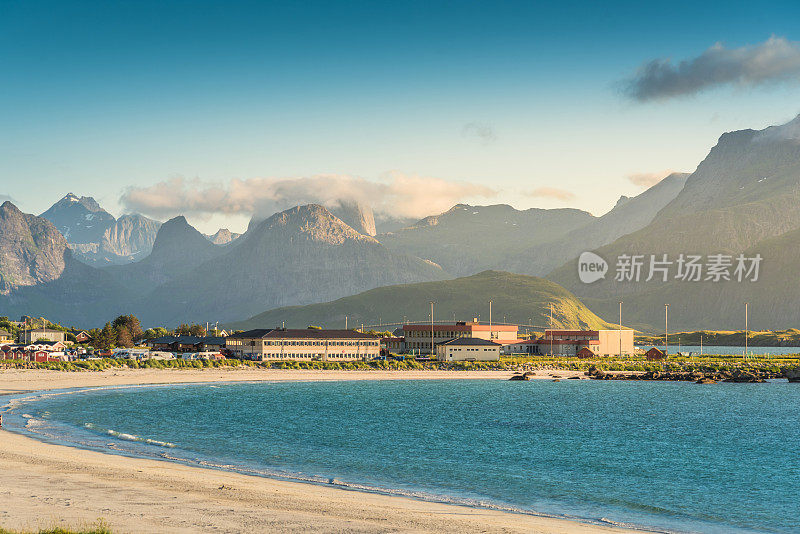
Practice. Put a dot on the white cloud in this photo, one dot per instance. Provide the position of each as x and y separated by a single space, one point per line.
776 59
647 179
396 194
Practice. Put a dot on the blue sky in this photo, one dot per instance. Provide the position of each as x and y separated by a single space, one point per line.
509 101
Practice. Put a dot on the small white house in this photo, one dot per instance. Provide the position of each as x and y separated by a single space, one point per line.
468 349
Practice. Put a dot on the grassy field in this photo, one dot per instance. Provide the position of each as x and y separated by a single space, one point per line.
716 363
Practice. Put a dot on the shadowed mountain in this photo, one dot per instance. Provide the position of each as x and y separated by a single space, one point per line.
629 215
743 198
39 276
178 249
298 256
467 239
518 297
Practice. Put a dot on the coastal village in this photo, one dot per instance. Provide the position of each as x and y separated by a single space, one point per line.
470 341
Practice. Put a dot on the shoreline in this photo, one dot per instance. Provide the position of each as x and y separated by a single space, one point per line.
46 485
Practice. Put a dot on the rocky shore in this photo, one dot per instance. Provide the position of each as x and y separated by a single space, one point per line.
752 375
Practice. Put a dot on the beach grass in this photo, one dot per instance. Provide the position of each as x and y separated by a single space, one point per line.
99 527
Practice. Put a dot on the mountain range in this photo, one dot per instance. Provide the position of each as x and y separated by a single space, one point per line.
78 263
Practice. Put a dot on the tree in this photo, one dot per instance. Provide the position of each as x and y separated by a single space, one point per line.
197 330
131 323
107 338
124 338
152 333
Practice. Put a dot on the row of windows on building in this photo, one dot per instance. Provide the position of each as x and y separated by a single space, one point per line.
424 333
309 355
252 343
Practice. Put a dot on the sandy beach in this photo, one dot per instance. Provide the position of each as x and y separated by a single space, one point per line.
44 485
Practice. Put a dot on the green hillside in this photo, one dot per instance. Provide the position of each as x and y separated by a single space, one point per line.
517 298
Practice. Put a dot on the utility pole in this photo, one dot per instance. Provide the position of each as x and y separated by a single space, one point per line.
620 329
666 329
551 329
345 322
746 328
431 327
490 320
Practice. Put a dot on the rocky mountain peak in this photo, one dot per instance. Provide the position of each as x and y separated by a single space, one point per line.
223 236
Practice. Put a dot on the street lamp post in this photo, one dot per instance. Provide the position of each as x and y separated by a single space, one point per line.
490 319
666 329
746 328
431 327
551 329
620 329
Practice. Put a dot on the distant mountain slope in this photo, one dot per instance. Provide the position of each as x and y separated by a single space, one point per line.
629 215
517 297
467 239
132 236
298 256
743 198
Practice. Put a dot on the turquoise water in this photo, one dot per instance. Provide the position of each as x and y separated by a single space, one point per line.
666 455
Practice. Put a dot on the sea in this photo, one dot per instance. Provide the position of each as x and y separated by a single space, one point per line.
665 456
725 350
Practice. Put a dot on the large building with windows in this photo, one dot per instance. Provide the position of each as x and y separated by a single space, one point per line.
602 343
298 344
35 334
417 337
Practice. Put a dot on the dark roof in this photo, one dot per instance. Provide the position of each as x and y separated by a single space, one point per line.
289 333
469 341
162 339
183 340
213 340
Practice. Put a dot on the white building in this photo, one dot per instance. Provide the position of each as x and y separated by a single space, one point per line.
468 349
309 344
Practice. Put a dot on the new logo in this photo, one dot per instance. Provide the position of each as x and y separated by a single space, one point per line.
591 267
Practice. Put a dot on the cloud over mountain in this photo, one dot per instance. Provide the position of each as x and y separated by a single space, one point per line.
776 59
403 195
647 179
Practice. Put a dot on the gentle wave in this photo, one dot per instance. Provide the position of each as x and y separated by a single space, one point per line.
132 437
